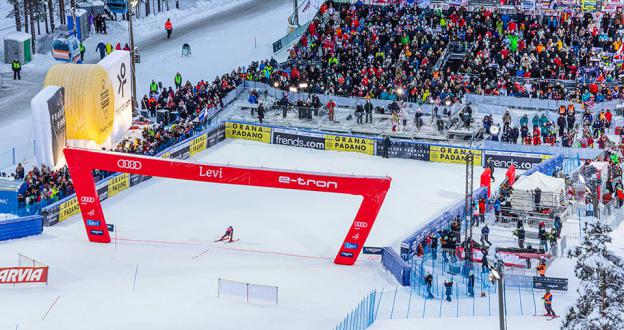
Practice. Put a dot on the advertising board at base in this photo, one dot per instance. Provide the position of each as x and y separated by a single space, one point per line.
248 132
453 155
350 143
294 138
522 161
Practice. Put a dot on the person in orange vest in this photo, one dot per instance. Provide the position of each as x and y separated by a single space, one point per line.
151 102
548 303
541 269
331 105
168 28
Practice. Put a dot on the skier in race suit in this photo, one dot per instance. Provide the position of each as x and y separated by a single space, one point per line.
229 234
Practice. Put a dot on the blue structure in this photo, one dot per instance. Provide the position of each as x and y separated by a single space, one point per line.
21 227
117 6
9 189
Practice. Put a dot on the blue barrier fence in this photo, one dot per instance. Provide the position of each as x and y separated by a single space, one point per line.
440 222
395 265
362 316
21 227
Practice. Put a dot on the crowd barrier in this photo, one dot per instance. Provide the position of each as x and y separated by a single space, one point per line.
363 315
21 227
395 265
440 222
111 186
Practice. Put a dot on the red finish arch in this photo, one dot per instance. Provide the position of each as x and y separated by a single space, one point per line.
82 162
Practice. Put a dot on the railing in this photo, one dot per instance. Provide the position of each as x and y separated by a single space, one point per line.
362 316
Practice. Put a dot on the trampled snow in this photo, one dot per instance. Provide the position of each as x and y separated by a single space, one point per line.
167 227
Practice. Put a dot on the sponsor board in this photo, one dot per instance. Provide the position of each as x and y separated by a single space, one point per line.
350 144
117 184
372 250
350 246
522 161
248 132
298 139
198 144
68 209
110 227
96 232
307 182
23 275
552 283
453 155
135 179
346 254
405 149
93 223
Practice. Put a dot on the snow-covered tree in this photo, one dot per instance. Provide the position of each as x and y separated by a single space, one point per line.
600 305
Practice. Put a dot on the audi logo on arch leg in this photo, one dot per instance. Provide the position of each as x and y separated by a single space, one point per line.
129 164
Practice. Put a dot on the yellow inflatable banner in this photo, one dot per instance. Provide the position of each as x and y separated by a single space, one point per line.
89 100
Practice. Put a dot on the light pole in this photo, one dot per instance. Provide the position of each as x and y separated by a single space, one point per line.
131 6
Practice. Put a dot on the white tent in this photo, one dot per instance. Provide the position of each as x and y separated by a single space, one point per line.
523 191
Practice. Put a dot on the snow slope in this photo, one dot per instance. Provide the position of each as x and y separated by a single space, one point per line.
167 228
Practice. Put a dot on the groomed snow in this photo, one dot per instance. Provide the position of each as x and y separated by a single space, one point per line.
167 227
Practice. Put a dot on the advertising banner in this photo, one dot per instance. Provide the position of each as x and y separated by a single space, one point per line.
49 127
68 209
117 65
15 275
294 138
350 144
406 149
248 132
198 144
527 4
610 5
552 283
372 250
89 102
453 155
117 184
521 161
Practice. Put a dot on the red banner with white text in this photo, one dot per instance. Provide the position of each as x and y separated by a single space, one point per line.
15 275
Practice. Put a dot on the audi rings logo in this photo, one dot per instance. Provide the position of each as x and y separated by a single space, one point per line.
86 200
360 224
129 164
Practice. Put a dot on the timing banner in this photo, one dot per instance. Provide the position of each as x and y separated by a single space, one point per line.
453 155
349 143
82 162
248 132
521 161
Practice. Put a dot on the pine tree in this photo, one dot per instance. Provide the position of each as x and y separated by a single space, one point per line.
16 13
600 305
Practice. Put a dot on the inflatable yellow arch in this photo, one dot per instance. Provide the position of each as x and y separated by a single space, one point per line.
89 100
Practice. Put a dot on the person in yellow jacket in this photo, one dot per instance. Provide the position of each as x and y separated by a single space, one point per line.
17 69
109 48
